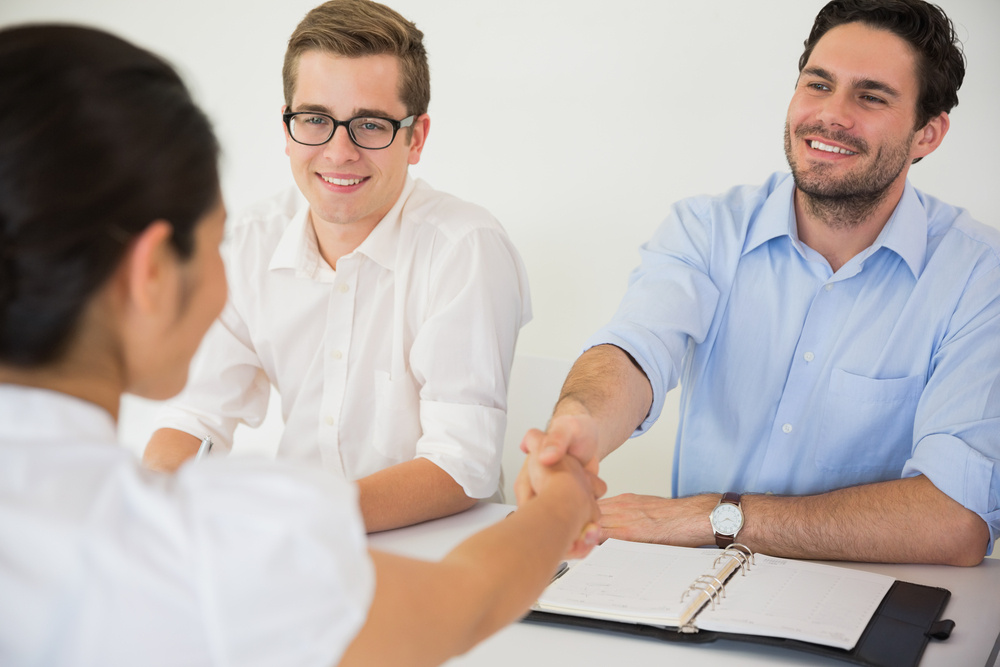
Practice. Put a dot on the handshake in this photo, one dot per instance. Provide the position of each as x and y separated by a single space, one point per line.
561 469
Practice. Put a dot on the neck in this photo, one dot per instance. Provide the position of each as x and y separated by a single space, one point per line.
99 391
91 369
841 227
335 240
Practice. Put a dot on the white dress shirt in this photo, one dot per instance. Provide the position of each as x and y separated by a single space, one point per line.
404 351
229 562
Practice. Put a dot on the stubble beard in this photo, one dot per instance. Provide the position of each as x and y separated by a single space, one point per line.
848 201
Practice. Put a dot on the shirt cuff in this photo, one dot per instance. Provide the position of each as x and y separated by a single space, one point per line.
962 473
182 420
605 337
466 441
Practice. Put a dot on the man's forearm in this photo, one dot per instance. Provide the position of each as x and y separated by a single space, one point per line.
898 521
168 448
606 384
409 493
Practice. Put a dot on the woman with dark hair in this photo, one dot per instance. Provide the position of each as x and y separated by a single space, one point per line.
110 274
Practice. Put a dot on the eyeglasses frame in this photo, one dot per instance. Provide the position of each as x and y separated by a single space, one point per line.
397 125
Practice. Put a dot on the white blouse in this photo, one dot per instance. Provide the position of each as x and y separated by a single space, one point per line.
228 562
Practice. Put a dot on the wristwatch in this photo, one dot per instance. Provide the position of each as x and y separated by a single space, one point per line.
727 519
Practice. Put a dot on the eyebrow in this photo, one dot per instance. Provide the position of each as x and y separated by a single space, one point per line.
861 84
319 108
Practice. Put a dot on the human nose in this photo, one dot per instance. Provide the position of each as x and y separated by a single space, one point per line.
340 148
836 109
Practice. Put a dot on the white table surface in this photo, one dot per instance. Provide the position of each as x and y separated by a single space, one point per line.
974 606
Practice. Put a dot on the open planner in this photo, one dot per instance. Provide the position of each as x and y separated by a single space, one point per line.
683 594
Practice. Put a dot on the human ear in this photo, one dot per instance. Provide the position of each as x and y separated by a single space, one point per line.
421 128
284 129
929 137
151 267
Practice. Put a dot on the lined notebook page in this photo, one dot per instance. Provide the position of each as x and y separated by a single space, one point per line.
628 581
816 603
643 583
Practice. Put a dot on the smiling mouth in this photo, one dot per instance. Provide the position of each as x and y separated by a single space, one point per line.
820 146
342 181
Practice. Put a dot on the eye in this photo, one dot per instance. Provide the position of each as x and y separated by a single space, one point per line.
372 125
314 120
817 86
872 99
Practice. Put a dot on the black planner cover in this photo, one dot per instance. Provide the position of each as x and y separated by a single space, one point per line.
895 637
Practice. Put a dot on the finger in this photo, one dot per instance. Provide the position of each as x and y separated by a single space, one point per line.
588 539
523 489
599 486
558 440
531 440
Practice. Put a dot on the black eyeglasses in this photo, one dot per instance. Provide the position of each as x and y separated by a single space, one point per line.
315 129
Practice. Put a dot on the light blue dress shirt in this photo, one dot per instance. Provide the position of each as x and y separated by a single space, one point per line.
798 380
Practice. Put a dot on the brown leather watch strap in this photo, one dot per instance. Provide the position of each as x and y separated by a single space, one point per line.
724 541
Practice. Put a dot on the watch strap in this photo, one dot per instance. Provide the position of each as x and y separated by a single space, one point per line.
725 541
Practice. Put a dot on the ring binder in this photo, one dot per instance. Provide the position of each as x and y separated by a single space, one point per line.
704 584
633 588
739 551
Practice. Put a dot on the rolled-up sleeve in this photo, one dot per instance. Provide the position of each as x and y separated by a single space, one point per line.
957 425
669 303
280 559
462 355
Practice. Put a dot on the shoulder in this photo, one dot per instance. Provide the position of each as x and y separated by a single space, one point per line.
434 213
722 222
263 222
953 230
741 201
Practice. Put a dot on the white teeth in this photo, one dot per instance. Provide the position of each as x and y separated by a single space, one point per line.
342 181
820 146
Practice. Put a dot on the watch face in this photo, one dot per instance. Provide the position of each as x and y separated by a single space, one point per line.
727 519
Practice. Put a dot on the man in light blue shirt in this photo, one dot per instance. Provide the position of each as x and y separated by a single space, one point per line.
835 332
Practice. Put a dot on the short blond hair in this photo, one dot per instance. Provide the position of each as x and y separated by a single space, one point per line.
355 28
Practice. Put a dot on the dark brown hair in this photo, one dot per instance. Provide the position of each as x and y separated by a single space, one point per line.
925 27
100 138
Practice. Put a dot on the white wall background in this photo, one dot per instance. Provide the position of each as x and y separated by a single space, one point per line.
527 96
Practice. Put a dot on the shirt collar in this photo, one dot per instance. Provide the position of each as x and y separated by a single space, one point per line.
776 217
905 233
298 248
382 243
29 413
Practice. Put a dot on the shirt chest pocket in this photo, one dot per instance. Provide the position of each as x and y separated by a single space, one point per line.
397 417
867 425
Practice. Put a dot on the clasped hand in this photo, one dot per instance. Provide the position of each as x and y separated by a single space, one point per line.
547 461
628 516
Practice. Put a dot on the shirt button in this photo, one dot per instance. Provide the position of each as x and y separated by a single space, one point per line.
329 420
808 356
343 288
828 287
787 428
336 355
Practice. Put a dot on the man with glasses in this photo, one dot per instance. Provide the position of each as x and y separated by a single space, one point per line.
383 312
835 332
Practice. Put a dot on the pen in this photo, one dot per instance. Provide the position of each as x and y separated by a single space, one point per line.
205 448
